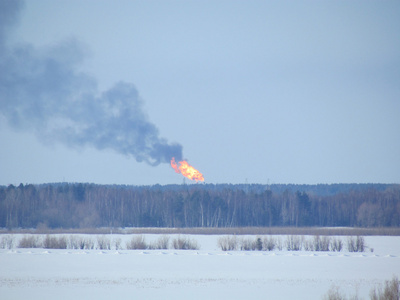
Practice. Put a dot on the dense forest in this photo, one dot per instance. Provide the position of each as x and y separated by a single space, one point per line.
81 205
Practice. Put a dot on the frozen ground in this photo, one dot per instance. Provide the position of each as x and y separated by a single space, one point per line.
207 273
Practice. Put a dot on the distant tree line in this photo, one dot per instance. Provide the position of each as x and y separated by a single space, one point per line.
79 205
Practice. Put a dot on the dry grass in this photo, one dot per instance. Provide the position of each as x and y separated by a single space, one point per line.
323 231
334 293
390 291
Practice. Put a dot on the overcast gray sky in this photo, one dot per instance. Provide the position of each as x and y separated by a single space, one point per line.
278 91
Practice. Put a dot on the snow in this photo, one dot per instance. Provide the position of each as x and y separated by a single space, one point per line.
207 273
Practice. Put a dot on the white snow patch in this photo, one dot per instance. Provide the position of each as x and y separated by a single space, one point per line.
207 273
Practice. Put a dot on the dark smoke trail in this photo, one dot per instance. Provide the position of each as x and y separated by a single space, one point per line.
42 91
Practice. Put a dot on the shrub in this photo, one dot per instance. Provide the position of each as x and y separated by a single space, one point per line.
228 243
259 244
294 243
30 241
324 243
351 244
77 242
62 242
52 242
317 243
391 291
185 244
360 244
103 243
336 244
7 242
161 243
118 243
308 245
279 244
137 243
85 243
356 244
269 243
89 243
321 244
247 244
73 242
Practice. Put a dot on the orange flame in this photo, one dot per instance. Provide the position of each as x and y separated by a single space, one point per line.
186 170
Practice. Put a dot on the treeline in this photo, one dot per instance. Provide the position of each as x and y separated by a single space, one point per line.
78 205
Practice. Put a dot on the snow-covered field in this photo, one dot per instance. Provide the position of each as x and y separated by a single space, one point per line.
207 273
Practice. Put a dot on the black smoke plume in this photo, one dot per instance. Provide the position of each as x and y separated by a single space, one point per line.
41 90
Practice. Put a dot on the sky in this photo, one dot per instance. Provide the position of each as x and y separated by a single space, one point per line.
107 92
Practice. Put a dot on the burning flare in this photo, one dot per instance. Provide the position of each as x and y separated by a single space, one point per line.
186 170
